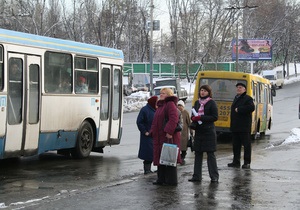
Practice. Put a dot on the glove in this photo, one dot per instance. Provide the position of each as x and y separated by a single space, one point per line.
196 118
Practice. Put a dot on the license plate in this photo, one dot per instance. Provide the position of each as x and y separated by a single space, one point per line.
224 110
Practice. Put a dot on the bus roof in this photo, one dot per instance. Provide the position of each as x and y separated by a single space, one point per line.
8 36
232 75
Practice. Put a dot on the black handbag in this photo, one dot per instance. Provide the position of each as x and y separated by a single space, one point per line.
178 126
179 123
193 125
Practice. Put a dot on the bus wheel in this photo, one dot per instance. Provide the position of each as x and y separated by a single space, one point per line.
84 143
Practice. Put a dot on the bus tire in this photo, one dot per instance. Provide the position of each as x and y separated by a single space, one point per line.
84 142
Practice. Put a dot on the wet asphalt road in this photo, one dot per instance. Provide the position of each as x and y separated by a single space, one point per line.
115 180
272 183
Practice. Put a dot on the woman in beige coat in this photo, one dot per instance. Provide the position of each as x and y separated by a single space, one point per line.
185 129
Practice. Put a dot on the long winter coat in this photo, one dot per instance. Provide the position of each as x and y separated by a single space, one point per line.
167 107
144 122
241 121
186 121
205 134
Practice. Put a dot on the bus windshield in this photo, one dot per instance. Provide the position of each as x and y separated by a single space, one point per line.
222 89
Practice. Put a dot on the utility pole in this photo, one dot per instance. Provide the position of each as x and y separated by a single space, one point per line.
151 47
237 32
237 45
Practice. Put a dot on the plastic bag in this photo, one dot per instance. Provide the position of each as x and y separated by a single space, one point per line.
169 154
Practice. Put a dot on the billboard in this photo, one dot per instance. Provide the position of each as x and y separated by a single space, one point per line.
252 49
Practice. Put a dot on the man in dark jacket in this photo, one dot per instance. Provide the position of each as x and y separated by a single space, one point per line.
240 126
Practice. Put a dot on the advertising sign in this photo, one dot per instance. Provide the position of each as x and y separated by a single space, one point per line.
252 49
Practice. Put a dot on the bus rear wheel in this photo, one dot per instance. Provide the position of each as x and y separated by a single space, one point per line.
84 143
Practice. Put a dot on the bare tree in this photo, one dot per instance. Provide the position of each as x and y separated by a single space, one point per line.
200 30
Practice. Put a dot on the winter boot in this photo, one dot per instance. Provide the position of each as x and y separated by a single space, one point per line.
183 154
147 168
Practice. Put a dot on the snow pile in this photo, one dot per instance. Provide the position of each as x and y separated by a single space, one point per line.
2 205
294 136
135 101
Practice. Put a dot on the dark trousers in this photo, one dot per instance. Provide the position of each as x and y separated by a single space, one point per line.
240 139
211 163
147 161
167 175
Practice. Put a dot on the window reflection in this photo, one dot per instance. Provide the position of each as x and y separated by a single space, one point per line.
15 91
105 78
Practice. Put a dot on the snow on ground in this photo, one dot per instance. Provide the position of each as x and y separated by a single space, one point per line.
294 136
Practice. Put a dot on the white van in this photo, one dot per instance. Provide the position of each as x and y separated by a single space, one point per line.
275 76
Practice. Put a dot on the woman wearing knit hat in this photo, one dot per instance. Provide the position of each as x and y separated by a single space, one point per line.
144 122
186 121
205 134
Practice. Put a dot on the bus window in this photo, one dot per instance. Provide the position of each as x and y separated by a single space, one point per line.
117 91
57 66
34 90
1 77
81 85
105 91
223 89
86 76
80 63
92 64
15 91
1 69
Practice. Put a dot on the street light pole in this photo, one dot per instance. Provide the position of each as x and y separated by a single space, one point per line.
237 32
151 48
237 46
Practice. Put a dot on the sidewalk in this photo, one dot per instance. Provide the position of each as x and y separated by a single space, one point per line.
271 183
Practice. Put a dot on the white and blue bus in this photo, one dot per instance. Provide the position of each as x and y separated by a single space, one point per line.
58 95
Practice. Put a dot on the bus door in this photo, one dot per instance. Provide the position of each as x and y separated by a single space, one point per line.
255 95
264 117
111 104
117 106
23 96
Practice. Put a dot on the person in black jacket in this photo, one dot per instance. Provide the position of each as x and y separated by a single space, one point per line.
205 134
240 126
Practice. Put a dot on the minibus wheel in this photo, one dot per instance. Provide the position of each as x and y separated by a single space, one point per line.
84 142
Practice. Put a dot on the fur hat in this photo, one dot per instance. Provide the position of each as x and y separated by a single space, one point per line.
180 102
152 101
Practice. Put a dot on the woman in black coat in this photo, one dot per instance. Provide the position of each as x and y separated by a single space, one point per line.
205 134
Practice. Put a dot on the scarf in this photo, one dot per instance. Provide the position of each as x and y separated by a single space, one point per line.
202 103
